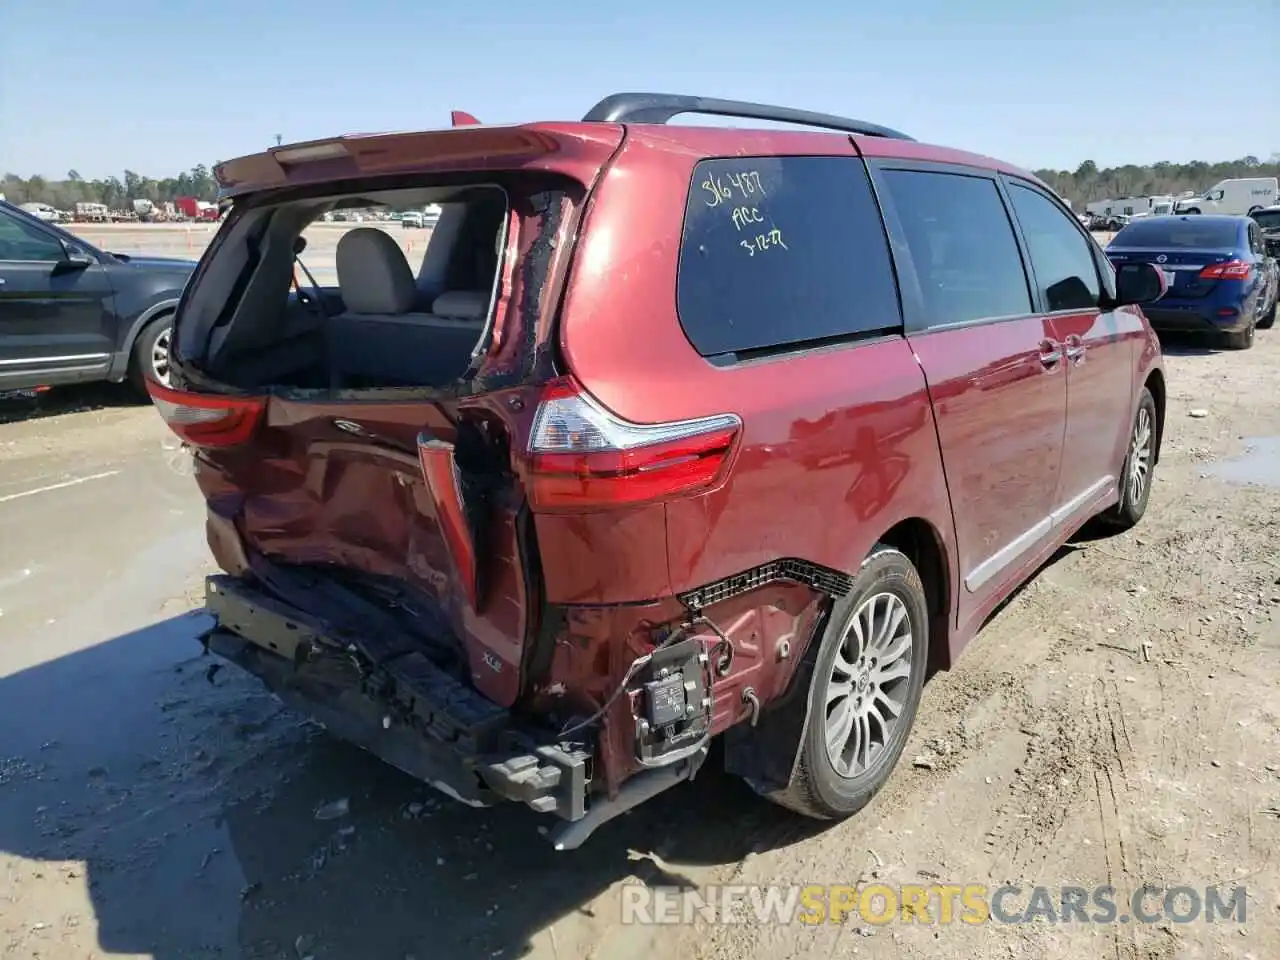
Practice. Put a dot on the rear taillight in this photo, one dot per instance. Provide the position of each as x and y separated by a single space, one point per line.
208 420
1231 270
582 456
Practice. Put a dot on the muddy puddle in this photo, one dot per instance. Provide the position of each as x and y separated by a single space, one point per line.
1259 465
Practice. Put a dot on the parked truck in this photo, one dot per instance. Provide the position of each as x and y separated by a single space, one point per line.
193 209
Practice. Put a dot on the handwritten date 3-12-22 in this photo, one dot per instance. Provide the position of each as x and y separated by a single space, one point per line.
763 241
730 191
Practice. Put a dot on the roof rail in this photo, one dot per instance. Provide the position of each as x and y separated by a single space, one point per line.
661 107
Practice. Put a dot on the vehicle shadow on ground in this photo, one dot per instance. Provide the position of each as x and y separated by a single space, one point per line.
25 405
191 796
1189 345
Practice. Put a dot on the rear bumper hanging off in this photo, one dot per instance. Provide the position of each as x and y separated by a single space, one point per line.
416 717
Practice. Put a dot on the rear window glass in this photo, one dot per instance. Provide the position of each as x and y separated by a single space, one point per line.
782 250
1189 232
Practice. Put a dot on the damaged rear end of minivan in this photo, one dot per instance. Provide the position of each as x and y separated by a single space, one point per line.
369 448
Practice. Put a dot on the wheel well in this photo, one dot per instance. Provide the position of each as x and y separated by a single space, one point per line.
150 322
919 540
1155 383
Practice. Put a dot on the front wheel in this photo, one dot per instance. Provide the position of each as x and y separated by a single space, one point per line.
151 354
867 680
1139 466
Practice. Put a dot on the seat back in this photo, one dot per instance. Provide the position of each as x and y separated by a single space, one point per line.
379 338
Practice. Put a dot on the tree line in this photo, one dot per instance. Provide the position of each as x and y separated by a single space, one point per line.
1087 182
115 192
1083 185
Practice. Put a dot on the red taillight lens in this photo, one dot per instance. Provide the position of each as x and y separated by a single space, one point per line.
208 420
1231 270
584 457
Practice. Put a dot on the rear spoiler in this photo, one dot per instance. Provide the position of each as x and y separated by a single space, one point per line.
468 145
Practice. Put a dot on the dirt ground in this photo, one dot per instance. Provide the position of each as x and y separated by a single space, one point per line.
1116 723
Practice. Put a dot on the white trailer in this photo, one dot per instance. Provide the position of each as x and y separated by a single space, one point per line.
92 212
1149 206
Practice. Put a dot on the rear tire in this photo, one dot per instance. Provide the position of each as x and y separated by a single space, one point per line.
1139 467
1243 339
871 661
150 357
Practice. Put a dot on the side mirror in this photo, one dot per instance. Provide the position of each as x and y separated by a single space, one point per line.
75 259
1138 283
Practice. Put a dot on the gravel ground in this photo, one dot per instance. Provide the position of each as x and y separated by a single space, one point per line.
1116 723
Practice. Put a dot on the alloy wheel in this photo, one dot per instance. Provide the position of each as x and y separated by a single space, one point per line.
1140 455
160 357
866 691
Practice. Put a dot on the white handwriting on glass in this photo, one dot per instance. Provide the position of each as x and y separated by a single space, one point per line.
721 189
763 241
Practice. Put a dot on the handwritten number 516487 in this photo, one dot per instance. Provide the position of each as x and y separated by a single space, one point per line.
722 189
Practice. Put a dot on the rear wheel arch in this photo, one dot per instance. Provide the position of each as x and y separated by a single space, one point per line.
922 544
767 755
148 316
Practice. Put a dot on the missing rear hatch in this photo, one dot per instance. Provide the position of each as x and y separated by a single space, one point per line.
316 294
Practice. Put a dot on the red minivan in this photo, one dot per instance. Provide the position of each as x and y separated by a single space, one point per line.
671 433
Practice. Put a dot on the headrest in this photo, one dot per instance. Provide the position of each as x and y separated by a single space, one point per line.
373 274
462 305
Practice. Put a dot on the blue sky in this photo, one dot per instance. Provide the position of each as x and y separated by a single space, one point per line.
160 86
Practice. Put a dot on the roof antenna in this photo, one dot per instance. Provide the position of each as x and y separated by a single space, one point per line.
461 119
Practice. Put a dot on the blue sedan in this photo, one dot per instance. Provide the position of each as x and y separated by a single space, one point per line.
1219 275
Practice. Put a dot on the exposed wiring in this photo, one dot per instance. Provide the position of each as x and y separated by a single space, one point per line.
640 662
723 646
604 708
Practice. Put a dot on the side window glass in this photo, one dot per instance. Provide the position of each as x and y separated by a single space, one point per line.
783 250
1064 267
22 242
962 246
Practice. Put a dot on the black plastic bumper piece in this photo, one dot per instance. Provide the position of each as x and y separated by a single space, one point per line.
405 709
